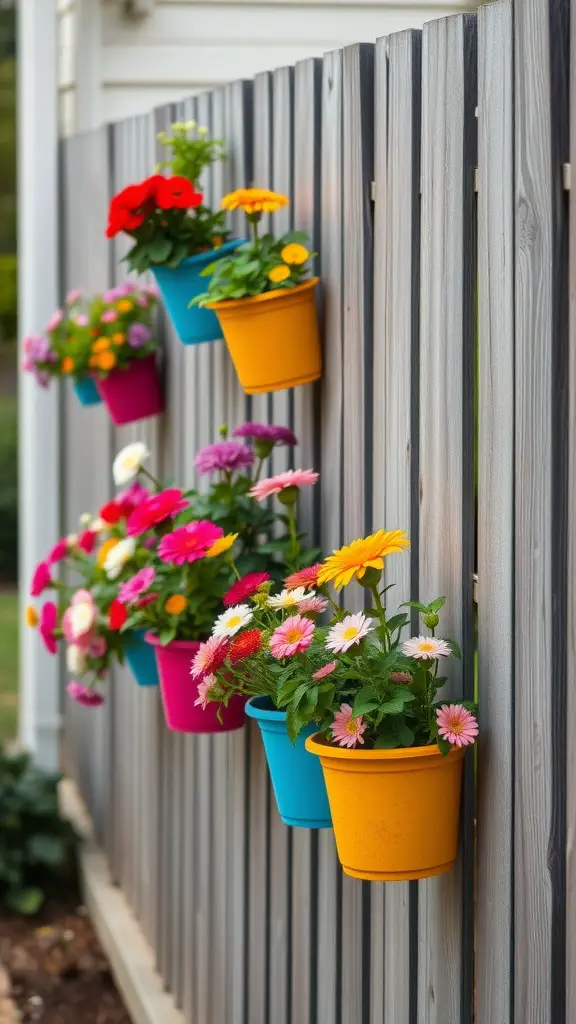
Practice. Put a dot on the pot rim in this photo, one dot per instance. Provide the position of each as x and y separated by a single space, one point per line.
202 257
316 745
174 645
285 293
264 714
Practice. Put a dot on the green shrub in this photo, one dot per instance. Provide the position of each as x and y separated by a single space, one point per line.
8 294
36 844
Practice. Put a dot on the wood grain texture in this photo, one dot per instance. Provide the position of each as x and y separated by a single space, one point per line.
533 525
395 456
446 443
495 507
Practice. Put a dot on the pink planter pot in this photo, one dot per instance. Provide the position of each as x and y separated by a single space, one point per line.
179 691
134 393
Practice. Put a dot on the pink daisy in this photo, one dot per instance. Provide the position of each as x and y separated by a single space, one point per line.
210 656
351 630
109 316
82 320
346 730
276 484
98 647
204 687
131 590
41 579
456 724
55 320
84 695
143 602
74 295
307 577
245 587
313 604
59 551
292 637
188 543
426 648
47 626
325 670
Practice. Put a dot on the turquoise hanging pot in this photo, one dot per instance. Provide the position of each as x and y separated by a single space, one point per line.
141 659
86 390
179 285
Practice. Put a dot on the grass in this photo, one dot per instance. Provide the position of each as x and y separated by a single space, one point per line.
9 614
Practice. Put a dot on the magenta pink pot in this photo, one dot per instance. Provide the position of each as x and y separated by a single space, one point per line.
179 691
133 393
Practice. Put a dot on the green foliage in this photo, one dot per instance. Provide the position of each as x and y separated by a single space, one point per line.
169 236
36 843
190 156
8 294
259 266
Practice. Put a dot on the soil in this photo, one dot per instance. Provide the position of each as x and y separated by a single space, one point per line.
58 971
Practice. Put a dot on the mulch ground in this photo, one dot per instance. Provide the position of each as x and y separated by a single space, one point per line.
58 971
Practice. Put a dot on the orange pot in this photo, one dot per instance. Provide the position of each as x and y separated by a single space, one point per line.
395 812
273 338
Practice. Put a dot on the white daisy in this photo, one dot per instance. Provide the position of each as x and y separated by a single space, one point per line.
290 598
75 659
426 647
128 462
350 631
232 620
117 557
97 525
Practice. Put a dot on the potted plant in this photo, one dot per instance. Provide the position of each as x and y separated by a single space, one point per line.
63 350
175 234
123 353
390 750
265 301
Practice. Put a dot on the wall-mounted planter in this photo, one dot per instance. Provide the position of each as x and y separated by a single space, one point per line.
296 775
133 393
141 659
86 390
395 812
181 284
179 691
273 338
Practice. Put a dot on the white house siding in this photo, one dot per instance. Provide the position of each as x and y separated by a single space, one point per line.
187 46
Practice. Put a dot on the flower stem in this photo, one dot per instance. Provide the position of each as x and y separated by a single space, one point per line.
156 482
294 546
256 478
384 631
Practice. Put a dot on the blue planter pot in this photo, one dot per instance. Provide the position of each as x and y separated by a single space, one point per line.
181 284
142 660
85 388
296 775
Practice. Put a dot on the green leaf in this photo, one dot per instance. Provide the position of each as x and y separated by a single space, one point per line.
364 701
46 849
160 249
405 734
386 741
396 622
443 746
392 707
167 635
436 605
24 901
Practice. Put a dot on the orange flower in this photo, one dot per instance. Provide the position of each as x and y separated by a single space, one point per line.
105 549
31 616
106 361
175 604
124 305
68 364
101 345
254 201
93 361
119 338
352 560
94 332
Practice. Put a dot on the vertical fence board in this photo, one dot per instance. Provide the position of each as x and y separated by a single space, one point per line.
495 507
571 625
446 445
395 464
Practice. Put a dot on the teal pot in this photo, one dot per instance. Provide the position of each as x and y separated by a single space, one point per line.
141 659
179 285
86 390
297 777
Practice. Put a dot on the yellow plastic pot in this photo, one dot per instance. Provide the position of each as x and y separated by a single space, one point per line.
273 338
395 812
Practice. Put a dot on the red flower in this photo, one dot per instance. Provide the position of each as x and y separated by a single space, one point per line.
133 197
112 512
245 587
48 623
177 193
155 510
304 577
40 580
245 645
117 615
86 541
129 209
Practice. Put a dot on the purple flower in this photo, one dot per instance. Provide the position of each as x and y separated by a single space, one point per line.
82 320
226 456
138 335
266 432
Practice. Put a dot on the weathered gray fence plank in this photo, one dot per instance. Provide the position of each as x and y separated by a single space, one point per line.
495 506
446 441
571 625
395 462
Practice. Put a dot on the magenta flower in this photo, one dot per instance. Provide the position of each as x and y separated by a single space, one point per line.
132 495
276 484
133 588
266 432
73 296
325 670
346 730
98 647
188 543
456 724
138 335
245 587
224 456
84 695
292 637
86 541
82 320
47 626
59 551
55 320
109 316
41 579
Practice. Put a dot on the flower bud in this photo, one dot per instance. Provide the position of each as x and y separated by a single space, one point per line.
289 496
223 431
263 447
430 620
371 577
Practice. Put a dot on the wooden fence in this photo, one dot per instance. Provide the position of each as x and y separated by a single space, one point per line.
429 171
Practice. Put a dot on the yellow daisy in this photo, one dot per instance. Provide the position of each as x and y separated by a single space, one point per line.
295 254
221 545
353 559
279 273
105 549
254 200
